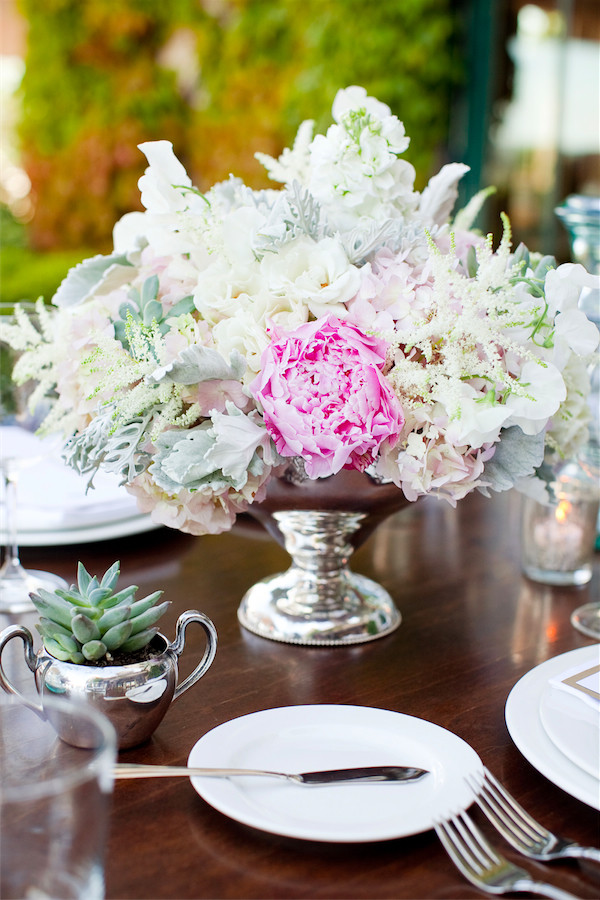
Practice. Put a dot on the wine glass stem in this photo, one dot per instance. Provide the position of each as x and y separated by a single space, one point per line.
12 563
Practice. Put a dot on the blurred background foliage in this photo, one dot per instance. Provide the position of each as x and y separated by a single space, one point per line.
220 79
506 86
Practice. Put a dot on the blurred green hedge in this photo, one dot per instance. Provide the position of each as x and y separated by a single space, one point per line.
100 79
28 274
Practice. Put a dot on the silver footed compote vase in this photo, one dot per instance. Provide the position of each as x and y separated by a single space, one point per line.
319 600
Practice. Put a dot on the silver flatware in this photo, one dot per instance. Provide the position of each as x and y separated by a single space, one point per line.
369 774
521 830
483 866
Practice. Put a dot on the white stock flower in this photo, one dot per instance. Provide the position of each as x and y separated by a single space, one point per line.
573 331
545 390
354 168
128 232
293 163
175 212
568 428
160 185
563 286
354 98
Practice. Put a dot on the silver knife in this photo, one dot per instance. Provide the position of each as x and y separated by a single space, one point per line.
368 774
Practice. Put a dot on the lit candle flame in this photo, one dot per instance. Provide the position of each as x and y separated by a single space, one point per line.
562 511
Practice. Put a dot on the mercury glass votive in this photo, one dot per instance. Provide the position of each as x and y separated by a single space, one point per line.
558 537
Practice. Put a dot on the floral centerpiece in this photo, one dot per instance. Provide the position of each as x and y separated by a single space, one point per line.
341 321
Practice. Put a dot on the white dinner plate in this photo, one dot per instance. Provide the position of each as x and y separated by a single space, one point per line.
307 738
524 723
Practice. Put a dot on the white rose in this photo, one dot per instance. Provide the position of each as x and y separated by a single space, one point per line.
317 274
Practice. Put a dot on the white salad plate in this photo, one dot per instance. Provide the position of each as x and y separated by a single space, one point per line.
553 752
307 738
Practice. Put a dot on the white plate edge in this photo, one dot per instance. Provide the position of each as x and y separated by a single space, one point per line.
85 533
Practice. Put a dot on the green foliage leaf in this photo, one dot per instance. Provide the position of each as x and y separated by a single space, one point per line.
141 606
137 641
56 650
52 607
148 618
85 629
149 293
111 576
121 598
114 616
117 635
83 579
51 631
94 650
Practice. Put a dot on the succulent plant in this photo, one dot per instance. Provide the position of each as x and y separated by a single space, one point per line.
89 621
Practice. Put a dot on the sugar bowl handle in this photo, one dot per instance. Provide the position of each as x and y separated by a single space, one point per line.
178 644
14 631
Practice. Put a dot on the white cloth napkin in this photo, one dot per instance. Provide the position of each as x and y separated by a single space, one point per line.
582 682
51 496
570 712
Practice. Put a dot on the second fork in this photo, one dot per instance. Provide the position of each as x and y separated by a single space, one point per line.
519 828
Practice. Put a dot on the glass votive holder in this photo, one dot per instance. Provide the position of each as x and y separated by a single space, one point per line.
558 537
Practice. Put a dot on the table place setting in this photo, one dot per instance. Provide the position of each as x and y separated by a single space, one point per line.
54 506
377 775
347 774
361 802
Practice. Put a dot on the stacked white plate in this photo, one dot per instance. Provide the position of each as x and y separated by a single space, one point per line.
55 507
553 716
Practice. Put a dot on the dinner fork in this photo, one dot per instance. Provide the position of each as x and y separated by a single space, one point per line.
483 866
520 830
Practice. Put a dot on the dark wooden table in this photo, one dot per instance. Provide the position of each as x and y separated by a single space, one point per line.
472 626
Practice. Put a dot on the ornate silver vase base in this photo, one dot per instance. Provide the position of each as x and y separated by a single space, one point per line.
319 601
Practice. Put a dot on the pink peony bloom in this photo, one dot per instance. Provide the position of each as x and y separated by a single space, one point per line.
325 398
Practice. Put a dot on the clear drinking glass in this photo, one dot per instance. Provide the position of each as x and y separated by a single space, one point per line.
19 449
581 217
54 800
